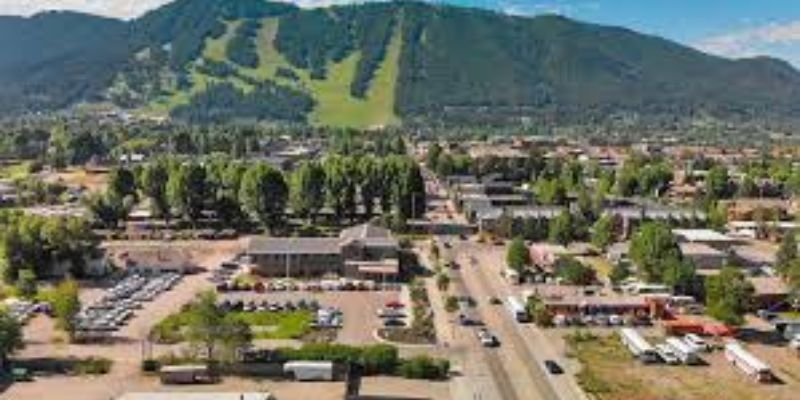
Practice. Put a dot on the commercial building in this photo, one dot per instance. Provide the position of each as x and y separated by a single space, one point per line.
363 252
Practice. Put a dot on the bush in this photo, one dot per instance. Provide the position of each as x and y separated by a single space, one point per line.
150 365
93 366
379 359
424 367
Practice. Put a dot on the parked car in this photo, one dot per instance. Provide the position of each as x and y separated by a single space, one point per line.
393 322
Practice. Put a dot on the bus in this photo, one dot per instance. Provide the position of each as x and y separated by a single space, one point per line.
517 309
638 346
747 362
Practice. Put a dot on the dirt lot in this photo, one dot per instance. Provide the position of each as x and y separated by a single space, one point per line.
43 341
611 374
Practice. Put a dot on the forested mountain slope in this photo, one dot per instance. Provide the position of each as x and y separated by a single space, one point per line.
375 64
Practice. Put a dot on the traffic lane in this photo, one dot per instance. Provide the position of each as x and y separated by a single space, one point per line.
533 338
512 353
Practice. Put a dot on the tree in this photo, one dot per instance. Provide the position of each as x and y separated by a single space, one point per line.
154 185
653 245
537 310
718 183
728 296
66 304
10 337
573 272
212 331
787 252
340 185
370 179
603 232
108 209
263 194
619 272
451 304
517 256
550 191
432 156
307 189
121 182
186 190
560 229
442 281
26 283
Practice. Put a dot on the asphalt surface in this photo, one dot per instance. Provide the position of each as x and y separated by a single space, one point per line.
515 367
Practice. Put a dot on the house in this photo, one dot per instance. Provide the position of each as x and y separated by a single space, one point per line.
364 251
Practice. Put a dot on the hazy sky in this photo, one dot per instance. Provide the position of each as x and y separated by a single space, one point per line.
734 28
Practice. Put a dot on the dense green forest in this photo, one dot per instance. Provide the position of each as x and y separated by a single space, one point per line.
454 66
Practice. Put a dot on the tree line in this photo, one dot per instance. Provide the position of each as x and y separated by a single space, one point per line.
239 193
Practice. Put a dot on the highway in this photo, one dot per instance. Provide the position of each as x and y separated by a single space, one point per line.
518 364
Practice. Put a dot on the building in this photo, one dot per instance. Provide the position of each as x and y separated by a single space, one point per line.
703 256
364 252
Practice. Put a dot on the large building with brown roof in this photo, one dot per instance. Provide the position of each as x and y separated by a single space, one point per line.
364 251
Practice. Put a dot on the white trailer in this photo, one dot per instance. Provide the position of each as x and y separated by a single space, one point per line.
747 362
638 346
309 370
685 352
517 309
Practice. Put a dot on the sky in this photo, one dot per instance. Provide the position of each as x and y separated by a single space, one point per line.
731 28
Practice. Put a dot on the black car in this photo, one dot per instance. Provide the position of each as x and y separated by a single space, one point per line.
553 367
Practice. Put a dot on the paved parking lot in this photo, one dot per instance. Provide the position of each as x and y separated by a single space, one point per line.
360 308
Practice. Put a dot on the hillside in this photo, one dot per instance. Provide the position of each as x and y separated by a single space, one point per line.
376 64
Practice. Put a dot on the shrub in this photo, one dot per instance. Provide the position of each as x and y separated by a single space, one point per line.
93 366
379 359
424 367
150 365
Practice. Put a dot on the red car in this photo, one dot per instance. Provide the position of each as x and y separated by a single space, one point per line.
394 304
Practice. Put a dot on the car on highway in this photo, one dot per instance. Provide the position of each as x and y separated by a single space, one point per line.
487 339
553 367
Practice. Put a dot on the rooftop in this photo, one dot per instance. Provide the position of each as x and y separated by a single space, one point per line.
702 235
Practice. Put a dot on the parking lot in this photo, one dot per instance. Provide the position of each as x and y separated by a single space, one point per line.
359 308
118 304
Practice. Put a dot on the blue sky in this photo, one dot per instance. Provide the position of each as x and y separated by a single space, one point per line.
734 28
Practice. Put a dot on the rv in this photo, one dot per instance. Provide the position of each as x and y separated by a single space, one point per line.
683 350
637 345
697 342
517 309
666 354
185 374
747 362
309 370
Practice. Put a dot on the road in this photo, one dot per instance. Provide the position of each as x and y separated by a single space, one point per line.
526 342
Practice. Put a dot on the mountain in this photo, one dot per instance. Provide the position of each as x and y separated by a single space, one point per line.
376 64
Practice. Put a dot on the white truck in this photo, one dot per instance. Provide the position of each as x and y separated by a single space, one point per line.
309 370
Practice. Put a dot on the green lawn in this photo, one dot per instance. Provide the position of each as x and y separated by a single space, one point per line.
15 171
277 325
264 324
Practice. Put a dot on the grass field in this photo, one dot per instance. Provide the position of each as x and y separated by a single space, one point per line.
215 49
609 372
264 324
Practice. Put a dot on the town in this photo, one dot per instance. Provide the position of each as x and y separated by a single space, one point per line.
297 264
